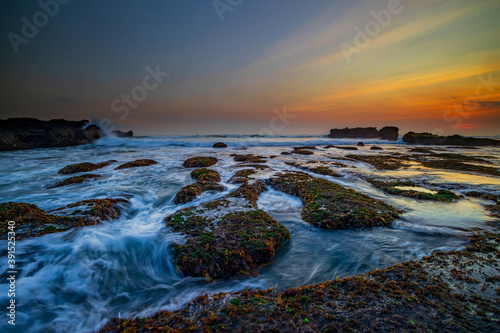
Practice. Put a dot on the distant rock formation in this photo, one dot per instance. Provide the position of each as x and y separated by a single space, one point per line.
121 134
358 132
29 133
390 133
386 133
453 140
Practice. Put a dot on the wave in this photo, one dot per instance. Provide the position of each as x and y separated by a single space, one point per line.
232 140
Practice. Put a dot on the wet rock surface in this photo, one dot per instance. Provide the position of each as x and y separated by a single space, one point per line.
136 164
446 292
228 236
206 180
431 139
31 221
199 162
76 180
83 167
331 206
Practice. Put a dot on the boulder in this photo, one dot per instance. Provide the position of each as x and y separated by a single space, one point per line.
390 133
29 133
220 145
360 144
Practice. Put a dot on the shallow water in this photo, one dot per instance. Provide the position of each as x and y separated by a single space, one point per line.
77 280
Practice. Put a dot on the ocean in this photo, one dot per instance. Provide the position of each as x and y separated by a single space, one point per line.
77 280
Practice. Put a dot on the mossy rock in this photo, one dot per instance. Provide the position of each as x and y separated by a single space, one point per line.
382 162
302 152
227 236
31 221
429 295
76 180
331 206
83 167
199 162
136 164
206 180
206 175
459 166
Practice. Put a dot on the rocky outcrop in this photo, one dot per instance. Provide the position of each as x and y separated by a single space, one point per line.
331 206
219 145
136 164
446 292
387 133
358 132
83 167
206 180
29 133
199 162
453 140
31 221
390 133
228 236
121 134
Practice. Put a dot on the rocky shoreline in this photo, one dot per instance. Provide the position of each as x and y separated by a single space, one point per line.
230 238
446 292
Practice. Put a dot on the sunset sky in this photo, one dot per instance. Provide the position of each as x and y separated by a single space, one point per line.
429 65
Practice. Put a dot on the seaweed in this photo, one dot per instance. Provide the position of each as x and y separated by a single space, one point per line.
136 164
331 206
83 167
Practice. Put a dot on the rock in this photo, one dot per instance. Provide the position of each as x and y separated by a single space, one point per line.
358 132
345 147
219 145
393 187
389 133
31 221
431 139
360 144
376 148
331 206
83 167
317 169
249 158
206 180
199 162
76 180
121 134
382 162
136 164
29 133
227 236
445 292
302 152
386 133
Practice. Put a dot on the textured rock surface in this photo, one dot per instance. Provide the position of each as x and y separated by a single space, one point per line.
431 139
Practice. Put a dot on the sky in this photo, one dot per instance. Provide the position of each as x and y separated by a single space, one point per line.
173 67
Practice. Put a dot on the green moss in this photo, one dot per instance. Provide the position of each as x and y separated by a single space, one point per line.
382 162
220 245
331 206
31 221
206 180
83 167
199 162
411 296
136 164
76 180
